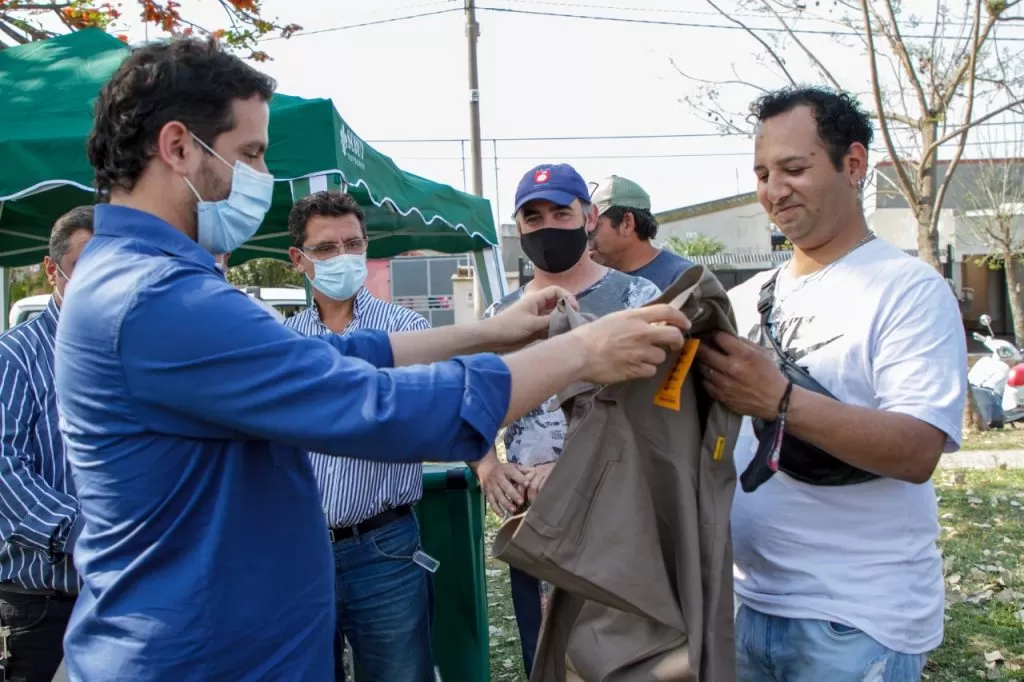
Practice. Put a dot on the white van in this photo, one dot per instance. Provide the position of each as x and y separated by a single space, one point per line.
26 308
285 300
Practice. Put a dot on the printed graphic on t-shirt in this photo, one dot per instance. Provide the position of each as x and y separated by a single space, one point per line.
537 438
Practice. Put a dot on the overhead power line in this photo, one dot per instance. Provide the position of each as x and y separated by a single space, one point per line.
375 22
730 27
807 16
556 138
688 155
573 138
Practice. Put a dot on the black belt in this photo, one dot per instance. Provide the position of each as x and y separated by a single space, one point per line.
372 523
11 588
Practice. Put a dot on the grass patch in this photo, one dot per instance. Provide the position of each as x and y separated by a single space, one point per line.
1009 438
982 539
982 517
506 655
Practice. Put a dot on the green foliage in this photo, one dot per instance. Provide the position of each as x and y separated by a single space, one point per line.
698 245
28 282
264 272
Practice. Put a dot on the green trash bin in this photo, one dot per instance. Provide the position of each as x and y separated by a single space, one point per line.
451 518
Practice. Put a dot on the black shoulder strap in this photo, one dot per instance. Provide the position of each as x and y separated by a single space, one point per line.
765 303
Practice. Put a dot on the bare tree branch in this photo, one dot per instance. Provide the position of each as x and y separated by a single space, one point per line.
687 76
952 86
11 33
810 55
977 121
906 186
774 55
899 48
940 194
31 32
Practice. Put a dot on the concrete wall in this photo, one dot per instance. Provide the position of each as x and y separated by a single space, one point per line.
742 229
464 294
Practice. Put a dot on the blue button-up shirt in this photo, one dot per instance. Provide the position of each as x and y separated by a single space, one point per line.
353 490
187 413
38 509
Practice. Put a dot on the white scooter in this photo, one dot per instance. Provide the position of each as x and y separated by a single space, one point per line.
997 380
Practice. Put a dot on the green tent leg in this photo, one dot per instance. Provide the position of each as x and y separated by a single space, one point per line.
489 274
5 292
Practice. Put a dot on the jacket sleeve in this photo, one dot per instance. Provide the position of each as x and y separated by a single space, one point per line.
250 374
33 513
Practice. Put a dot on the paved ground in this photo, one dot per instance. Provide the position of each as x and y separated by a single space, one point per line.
983 459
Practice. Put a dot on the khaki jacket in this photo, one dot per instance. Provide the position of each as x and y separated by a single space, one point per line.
632 526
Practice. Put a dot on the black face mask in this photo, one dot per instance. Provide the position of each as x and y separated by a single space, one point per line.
554 250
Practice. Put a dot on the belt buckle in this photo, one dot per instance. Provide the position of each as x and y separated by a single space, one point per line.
330 535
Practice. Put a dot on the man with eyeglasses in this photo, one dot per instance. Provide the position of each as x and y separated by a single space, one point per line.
383 592
40 515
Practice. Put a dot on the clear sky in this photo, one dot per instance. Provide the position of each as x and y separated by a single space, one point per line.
548 76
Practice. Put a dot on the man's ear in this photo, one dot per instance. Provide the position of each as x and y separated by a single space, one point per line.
50 268
176 148
628 224
299 261
591 218
856 164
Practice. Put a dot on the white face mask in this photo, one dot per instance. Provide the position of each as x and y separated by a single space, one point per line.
227 224
339 277
56 291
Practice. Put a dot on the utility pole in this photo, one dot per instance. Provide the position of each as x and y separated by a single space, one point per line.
472 34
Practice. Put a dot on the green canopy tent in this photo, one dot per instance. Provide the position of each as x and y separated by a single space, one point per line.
47 91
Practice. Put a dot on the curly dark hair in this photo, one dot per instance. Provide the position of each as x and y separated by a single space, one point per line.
190 80
329 203
840 118
646 223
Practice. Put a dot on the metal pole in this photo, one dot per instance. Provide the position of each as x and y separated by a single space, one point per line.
462 147
497 186
472 34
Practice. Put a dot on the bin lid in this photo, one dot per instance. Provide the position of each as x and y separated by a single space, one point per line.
450 476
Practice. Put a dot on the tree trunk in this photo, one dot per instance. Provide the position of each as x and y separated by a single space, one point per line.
927 238
1015 294
972 415
927 222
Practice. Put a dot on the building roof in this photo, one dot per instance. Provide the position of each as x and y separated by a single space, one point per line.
713 206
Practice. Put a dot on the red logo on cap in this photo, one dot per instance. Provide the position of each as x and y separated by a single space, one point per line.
541 176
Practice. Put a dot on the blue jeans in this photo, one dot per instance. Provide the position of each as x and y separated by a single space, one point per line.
384 605
774 649
526 603
36 643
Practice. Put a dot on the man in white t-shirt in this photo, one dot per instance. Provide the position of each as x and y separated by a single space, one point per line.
839 583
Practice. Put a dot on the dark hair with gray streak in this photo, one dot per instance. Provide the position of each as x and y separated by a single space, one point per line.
324 204
78 218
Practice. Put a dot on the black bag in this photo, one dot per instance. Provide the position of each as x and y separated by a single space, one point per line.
801 460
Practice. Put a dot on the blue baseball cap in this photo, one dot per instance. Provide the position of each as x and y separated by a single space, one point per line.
558 183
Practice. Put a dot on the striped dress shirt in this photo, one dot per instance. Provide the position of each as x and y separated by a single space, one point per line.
353 490
38 509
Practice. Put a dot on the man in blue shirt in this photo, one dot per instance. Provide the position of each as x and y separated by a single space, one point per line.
188 411
39 519
621 239
383 594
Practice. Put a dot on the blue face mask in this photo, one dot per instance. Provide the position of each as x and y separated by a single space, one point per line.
339 277
227 224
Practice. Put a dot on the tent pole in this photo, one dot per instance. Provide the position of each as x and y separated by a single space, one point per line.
5 293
